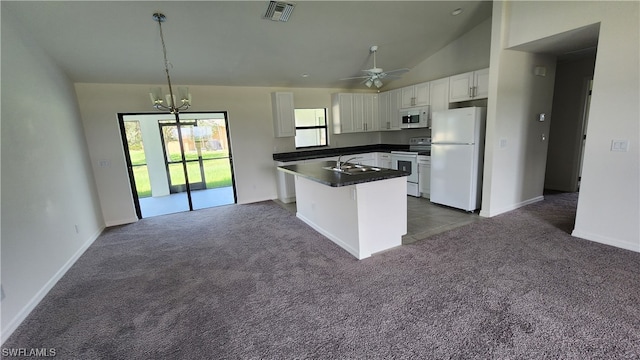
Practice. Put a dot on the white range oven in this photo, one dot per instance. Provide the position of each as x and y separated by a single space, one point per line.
408 161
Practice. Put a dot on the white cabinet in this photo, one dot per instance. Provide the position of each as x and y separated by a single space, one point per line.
371 112
383 109
342 108
368 159
357 107
439 95
424 179
284 123
481 81
383 160
286 183
415 95
469 86
390 110
354 112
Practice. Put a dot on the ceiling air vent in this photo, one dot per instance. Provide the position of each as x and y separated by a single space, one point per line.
279 11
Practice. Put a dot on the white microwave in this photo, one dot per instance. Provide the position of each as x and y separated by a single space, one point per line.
416 117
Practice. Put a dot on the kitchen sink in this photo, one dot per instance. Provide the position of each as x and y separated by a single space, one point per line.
352 169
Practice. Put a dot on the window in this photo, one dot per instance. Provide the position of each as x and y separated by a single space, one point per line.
311 127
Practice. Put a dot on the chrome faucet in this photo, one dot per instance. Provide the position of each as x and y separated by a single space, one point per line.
340 163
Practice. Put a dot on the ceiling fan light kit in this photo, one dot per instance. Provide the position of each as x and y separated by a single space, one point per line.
375 75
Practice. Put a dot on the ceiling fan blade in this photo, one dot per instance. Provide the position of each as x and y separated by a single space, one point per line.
375 74
355 77
399 71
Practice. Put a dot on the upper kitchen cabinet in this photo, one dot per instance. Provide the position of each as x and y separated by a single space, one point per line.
354 112
342 109
383 109
284 123
371 112
439 95
390 109
415 95
469 86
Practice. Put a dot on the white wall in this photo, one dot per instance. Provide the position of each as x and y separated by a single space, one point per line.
608 206
47 183
469 52
515 152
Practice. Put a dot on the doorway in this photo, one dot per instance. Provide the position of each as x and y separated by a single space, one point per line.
570 109
175 169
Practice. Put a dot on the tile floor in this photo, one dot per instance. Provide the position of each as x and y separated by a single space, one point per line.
201 199
424 218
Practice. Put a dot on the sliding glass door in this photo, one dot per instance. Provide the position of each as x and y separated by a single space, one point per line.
157 157
173 156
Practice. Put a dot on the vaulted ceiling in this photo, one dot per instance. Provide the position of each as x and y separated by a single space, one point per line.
228 43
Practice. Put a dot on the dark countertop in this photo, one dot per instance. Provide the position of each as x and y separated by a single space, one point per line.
328 152
315 172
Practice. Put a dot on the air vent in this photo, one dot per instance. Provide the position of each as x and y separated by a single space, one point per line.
279 11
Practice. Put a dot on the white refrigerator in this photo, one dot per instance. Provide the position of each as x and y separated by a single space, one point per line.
457 152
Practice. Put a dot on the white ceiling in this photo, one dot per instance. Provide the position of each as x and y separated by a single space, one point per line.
228 42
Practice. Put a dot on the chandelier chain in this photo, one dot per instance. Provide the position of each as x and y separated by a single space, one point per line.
166 66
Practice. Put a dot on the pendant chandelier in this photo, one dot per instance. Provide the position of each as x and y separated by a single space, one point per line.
158 98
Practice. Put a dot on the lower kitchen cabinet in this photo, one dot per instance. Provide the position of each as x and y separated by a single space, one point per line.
424 179
383 160
286 183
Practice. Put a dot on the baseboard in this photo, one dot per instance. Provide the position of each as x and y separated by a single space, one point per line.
331 237
121 222
606 240
22 315
489 213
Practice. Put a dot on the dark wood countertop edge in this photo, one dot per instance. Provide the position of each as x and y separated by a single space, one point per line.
328 152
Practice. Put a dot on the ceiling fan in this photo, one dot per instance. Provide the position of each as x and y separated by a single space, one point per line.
375 75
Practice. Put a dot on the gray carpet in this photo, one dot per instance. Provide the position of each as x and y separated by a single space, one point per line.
254 282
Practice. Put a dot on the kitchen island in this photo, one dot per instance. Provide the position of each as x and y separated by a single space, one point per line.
362 209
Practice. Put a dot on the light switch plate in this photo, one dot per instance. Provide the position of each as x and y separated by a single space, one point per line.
620 145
